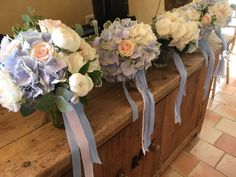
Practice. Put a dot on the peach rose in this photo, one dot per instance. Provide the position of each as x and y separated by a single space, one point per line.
126 48
48 25
206 19
41 51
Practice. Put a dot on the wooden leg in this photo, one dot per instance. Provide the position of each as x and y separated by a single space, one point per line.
214 87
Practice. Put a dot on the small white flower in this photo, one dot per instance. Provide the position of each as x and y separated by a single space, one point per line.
66 38
88 52
80 85
10 94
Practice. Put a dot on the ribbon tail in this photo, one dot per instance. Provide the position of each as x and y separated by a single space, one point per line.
148 110
210 68
202 47
132 104
80 138
75 153
220 66
182 88
88 132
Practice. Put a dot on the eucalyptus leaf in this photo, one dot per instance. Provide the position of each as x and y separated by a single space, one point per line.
79 29
63 105
27 109
26 18
46 103
61 91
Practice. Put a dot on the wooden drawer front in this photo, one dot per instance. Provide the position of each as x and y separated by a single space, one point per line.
174 134
117 154
151 161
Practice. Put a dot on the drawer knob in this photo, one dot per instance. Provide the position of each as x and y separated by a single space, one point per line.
154 147
121 173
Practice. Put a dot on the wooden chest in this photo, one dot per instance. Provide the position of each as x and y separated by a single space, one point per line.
32 147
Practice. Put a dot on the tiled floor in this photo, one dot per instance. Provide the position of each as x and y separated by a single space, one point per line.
213 152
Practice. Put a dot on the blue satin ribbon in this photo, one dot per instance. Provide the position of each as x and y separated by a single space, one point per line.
88 132
148 109
75 151
208 55
182 88
132 104
220 66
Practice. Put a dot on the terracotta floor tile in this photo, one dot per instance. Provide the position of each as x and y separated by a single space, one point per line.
211 118
227 99
227 89
227 166
174 173
233 83
212 104
227 143
227 126
209 134
207 153
203 170
226 111
185 163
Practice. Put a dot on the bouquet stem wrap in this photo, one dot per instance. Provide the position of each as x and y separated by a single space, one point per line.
221 64
148 108
182 88
209 61
81 140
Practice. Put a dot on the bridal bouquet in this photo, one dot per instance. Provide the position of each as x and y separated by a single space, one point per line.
173 29
126 49
46 67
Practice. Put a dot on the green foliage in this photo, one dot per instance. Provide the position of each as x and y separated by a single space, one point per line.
27 109
29 22
96 77
79 29
62 104
84 69
64 92
91 38
83 100
46 103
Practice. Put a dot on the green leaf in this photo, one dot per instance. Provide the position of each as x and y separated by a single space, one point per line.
96 77
27 109
46 103
61 91
83 100
26 18
79 29
84 69
63 105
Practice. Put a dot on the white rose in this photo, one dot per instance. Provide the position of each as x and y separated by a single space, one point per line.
47 25
80 85
142 33
87 51
74 61
163 27
66 38
193 14
10 94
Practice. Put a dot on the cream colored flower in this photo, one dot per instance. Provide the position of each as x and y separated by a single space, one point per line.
48 25
42 51
10 94
126 48
66 38
80 85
